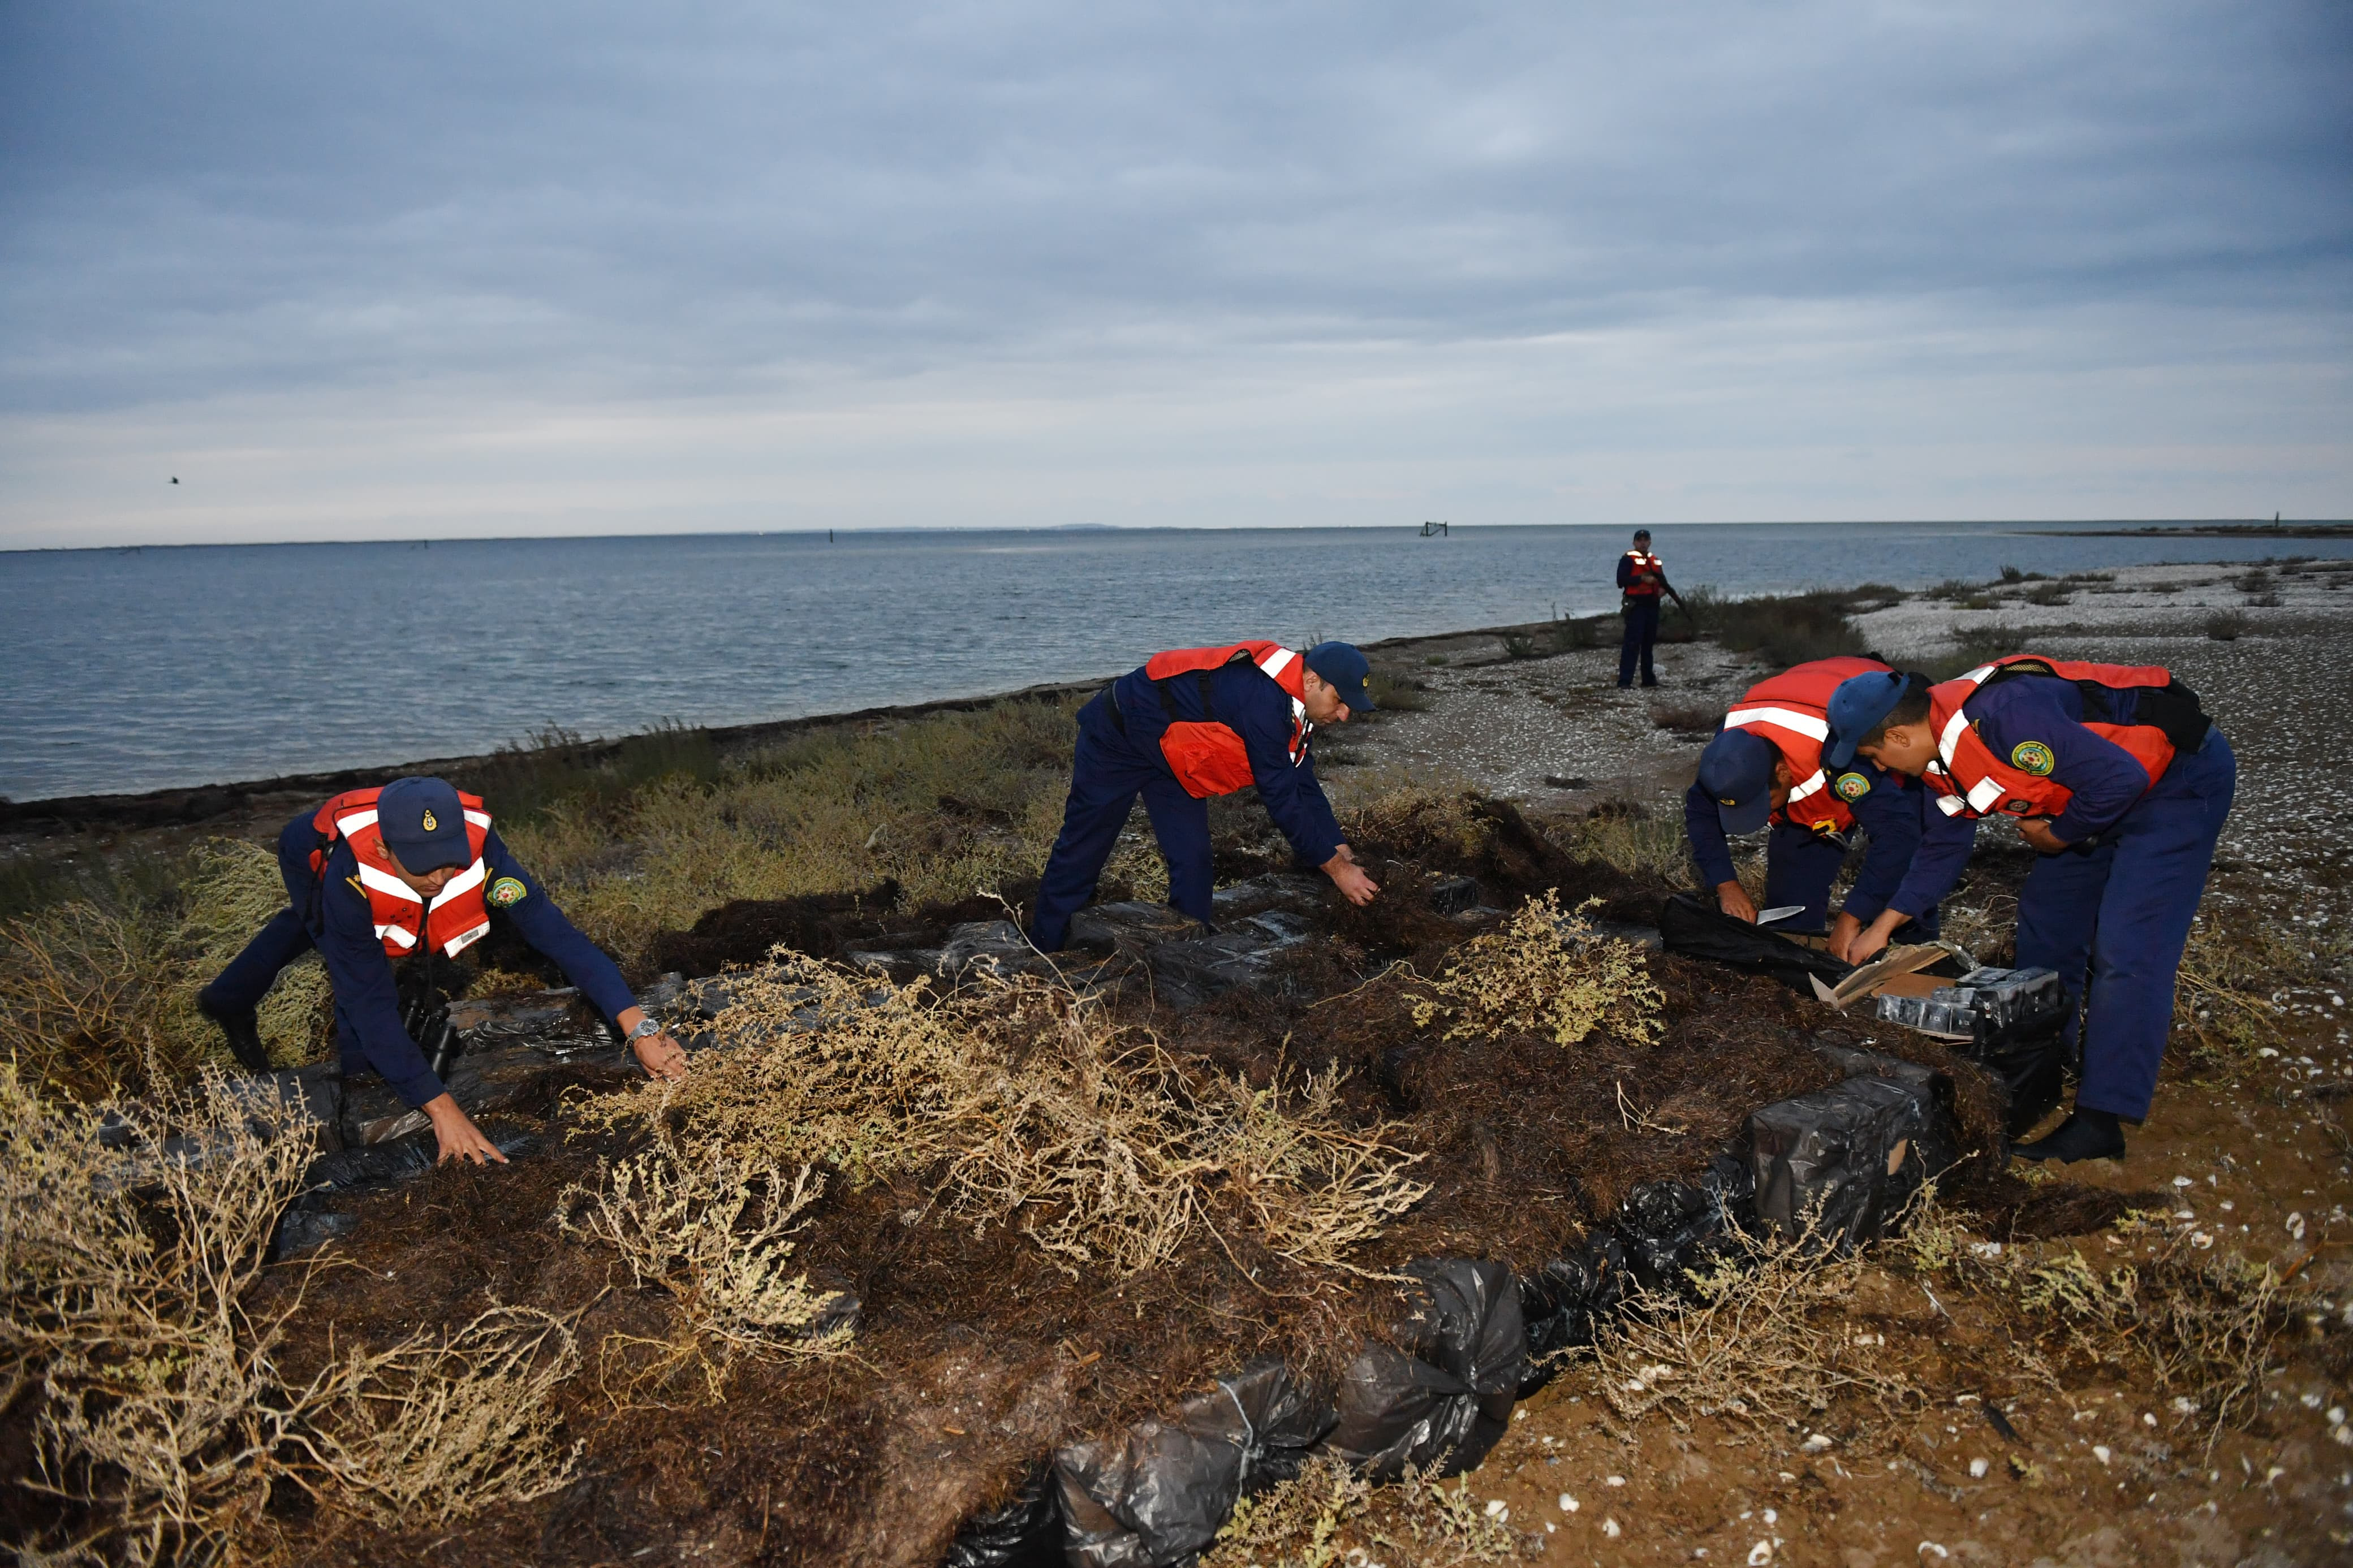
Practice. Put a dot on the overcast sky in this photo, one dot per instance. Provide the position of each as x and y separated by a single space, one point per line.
432 268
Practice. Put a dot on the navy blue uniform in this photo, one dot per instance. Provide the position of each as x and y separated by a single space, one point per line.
1641 612
329 913
1118 758
2112 914
1917 853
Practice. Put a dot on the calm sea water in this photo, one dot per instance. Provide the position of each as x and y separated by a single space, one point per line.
146 669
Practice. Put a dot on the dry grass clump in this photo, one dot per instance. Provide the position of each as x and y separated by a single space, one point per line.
1545 970
1412 819
1640 843
132 1235
1760 1337
679 1225
944 804
1328 1514
1030 1108
97 1001
2223 997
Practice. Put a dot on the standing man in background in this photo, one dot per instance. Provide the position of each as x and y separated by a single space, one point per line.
1641 578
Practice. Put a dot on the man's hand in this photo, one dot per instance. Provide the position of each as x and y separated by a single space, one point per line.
1864 942
2036 831
459 1137
1844 930
1350 879
662 1057
1733 900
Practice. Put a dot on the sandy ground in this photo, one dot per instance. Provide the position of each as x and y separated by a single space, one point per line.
2253 1167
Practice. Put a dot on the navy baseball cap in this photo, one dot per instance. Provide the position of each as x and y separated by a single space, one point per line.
1737 770
424 824
1344 669
1855 709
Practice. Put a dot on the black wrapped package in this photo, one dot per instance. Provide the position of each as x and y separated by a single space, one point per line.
1438 1394
1841 1161
1023 1531
1668 1228
2030 1069
1698 929
1561 1302
1160 1492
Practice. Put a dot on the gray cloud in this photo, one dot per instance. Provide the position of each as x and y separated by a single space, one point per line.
584 206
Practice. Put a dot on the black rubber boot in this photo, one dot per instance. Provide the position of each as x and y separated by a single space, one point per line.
244 1032
2084 1135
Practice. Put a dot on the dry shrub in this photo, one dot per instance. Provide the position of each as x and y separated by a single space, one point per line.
1640 843
1759 1337
2199 1326
436 1429
675 1223
1327 1514
1548 971
1087 1136
1414 819
83 998
2222 1000
131 1233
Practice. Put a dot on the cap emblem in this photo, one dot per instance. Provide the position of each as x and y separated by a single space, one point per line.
2031 757
429 824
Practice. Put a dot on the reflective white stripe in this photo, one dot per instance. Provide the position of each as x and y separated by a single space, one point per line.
1984 793
347 826
464 881
1811 785
479 818
1950 805
395 935
1978 676
458 943
1787 718
1278 660
372 878
1951 736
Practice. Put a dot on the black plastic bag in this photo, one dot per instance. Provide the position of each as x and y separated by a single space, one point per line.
1940 1140
2029 1065
1699 929
1561 1303
1161 1491
1023 1531
1439 1394
1669 1226
1840 1162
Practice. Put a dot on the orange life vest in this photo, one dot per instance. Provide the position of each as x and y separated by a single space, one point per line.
457 916
1645 562
1791 711
1970 780
1206 756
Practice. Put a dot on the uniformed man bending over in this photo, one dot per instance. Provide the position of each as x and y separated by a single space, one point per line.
414 867
1194 723
2120 782
1766 764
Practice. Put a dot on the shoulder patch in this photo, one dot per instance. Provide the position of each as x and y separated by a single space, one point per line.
2031 757
1851 786
505 893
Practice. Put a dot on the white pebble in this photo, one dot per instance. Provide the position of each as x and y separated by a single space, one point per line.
1613 1480
1927 1547
2336 1415
1815 1444
2181 1181
1978 1468
1498 1508
2147 1418
1760 1554
2100 1452
1567 1503
1609 1528
2295 1226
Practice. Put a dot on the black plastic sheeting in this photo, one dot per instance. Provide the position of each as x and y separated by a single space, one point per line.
1161 1491
1670 1227
1839 1163
2028 1067
1439 1396
1562 1303
1699 929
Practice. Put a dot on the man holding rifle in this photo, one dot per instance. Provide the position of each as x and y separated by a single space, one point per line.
413 868
1641 578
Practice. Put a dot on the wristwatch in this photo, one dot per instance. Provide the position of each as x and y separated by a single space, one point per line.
648 1025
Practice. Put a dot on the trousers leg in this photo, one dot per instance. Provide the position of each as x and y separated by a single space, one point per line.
1181 824
284 939
2163 847
1800 867
2058 913
1648 617
1104 786
1630 645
